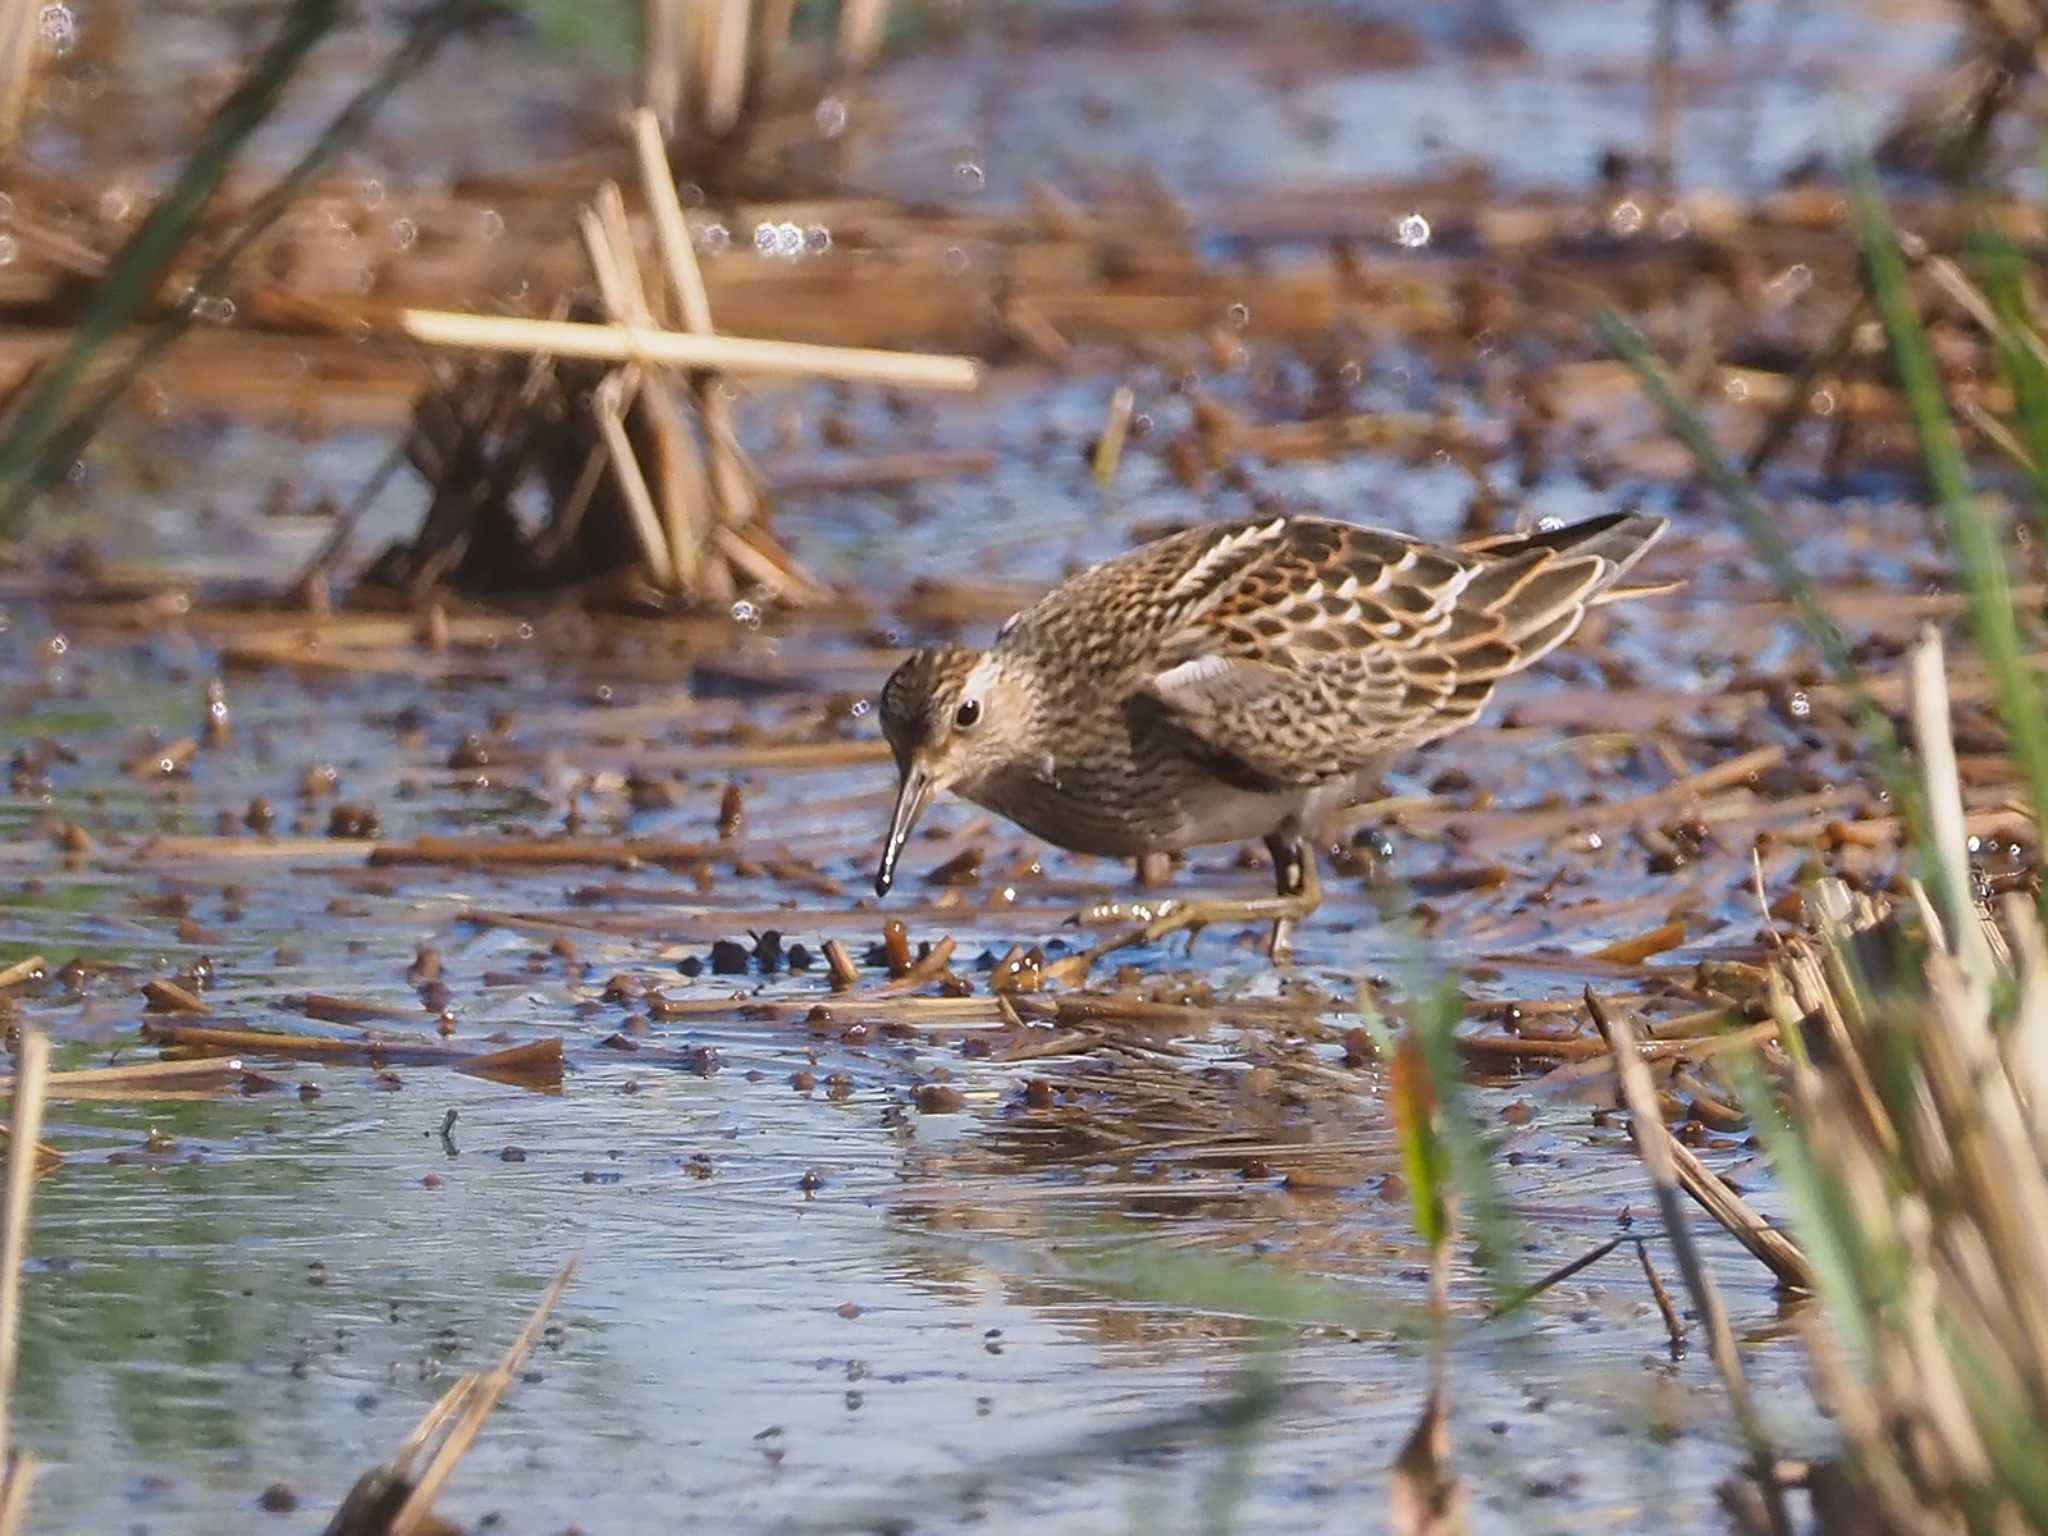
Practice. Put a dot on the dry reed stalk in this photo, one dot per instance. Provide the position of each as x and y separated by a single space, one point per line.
22 1146
861 25
722 62
734 483
685 517
664 29
89 1080
389 1500
20 52
1116 427
1655 1144
625 344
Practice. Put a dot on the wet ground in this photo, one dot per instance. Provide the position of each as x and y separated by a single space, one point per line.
886 1253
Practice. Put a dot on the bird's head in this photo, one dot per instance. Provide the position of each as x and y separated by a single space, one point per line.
955 718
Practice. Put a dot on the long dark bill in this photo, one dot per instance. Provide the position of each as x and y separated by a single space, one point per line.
912 796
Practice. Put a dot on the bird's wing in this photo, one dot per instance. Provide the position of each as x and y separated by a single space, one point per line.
1308 649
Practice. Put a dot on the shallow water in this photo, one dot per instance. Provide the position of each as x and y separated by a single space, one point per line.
804 1305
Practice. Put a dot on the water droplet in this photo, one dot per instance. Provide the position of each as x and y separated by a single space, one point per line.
403 233
1823 402
1735 389
6 208
1972 843
789 241
1239 316
831 117
817 240
1413 231
59 28
1625 218
9 249
373 193
744 612
114 204
861 707
714 239
954 261
526 631
969 177
59 645
1595 841
1801 705
1674 224
493 223
1351 373
1550 522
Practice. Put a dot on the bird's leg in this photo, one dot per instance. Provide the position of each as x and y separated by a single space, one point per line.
1295 879
1298 892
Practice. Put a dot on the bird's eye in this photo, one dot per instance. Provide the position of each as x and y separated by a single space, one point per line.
968 716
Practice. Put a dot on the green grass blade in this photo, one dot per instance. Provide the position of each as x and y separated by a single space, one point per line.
138 268
1762 531
1972 536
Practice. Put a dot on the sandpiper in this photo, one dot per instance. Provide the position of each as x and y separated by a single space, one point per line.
1235 681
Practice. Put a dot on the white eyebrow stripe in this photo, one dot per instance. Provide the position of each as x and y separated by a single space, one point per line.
980 679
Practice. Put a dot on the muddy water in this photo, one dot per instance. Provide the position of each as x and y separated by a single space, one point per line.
797 1303
803 1300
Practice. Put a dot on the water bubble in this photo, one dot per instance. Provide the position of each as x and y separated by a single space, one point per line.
1973 844
493 223
1801 705
1735 389
1625 218
1413 231
831 117
1351 373
861 707
954 261
1674 224
526 631
744 612
1595 841
214 309
59 28
59 645
817 240
373 193
1823 402
1239 316
6 208
969 177
781 242
404 233
9 249
714 239
114 204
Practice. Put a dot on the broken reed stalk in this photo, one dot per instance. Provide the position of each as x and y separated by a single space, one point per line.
388 1500
664 28
19 56
24 1128
1654 1145
481 1399
676 349
861 26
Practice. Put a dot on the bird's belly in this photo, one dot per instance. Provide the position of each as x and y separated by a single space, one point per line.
1154 809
